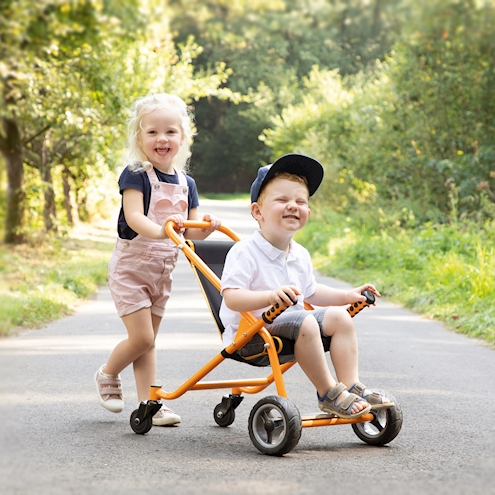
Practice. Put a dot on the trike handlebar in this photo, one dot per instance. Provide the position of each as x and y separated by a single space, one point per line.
355 308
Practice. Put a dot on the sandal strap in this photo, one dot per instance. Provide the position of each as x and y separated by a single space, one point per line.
348 402
336 391
358 388
372 398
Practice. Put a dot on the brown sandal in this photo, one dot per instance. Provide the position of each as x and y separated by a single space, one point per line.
342 410
375 398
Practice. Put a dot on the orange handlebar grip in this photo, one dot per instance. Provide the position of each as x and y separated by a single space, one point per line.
270 314
355 308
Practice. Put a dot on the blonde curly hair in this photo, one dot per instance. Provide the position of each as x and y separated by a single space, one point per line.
135 159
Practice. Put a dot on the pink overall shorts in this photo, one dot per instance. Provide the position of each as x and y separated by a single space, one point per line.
140 270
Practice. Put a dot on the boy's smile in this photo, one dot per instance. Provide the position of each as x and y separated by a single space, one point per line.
283 211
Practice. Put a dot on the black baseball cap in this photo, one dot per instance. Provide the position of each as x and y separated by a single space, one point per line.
295 164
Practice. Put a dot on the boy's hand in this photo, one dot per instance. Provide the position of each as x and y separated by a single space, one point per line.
355 295
286 295
215 222
178 220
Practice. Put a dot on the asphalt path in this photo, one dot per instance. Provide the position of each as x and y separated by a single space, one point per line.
56 439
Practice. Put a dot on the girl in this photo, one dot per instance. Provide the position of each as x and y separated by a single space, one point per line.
154 190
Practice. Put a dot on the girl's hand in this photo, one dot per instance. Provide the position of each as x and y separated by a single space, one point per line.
215 222
179 222
355 295
286 295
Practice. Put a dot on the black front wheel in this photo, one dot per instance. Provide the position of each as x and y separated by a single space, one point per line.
384 427
141 426
222 417
275 425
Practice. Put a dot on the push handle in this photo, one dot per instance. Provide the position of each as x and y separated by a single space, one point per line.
270 314
193 224
355 308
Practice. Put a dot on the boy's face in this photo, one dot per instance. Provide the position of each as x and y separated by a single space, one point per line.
283 207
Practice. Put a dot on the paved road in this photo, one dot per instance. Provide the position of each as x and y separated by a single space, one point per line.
56 439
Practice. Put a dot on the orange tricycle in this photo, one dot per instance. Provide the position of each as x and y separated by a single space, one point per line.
275 423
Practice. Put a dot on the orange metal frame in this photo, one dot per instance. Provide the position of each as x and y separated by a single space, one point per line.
247 329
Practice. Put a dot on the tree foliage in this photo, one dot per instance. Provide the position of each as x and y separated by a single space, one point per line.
415 133
395 97
271 47
69 72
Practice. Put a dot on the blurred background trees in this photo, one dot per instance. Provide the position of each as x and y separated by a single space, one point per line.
394 97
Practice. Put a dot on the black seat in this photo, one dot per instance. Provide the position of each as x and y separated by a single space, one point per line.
213 253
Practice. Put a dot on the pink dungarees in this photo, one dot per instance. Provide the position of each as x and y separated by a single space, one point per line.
140 270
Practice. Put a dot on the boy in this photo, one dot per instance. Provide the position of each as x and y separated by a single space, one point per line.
270 268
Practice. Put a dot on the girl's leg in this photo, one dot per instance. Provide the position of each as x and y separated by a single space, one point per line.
145 365
310 355
140 341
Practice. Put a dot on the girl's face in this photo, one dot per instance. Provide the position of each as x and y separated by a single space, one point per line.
160 138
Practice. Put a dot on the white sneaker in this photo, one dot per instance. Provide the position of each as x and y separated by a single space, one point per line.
165 417
109 389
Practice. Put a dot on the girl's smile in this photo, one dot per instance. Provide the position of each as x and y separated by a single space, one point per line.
160 138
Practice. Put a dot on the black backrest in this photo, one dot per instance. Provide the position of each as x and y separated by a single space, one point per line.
213 253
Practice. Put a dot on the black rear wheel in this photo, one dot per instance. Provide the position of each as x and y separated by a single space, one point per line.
275 425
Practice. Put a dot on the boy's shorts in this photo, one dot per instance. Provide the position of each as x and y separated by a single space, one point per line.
288 324
141 280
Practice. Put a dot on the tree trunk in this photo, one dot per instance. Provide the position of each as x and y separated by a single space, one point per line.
46 176
67 200
11 149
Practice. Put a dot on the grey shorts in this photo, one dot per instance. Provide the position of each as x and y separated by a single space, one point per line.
288 324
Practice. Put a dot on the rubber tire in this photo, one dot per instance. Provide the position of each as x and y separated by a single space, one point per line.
144 426
228 417
287 424
384 428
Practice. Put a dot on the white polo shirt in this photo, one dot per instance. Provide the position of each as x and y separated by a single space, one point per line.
257 265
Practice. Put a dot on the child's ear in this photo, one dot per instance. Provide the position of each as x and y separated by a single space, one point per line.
255 211
309 212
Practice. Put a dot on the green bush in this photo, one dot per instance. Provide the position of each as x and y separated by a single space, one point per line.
442 271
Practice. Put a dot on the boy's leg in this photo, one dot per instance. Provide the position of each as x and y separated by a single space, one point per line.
338 324
310 355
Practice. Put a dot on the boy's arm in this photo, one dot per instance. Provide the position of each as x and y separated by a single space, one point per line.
328 296
250 300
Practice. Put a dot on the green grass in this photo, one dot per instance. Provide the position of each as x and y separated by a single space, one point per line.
444 272
44 282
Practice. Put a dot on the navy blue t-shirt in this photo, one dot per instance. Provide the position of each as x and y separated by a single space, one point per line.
139 180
